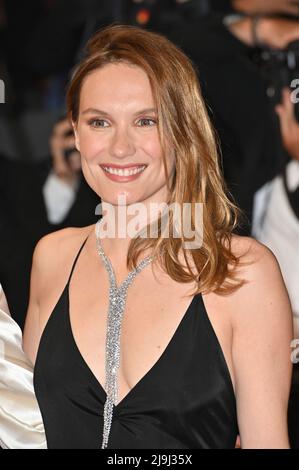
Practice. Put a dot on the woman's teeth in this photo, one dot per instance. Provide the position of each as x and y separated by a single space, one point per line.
125 172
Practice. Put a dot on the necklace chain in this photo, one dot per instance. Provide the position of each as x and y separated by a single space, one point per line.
117 301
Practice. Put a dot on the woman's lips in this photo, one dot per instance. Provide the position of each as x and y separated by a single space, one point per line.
124 178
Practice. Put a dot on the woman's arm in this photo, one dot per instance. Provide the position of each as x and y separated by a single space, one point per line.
262 333
31 335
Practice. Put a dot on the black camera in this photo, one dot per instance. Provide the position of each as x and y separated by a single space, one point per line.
280 68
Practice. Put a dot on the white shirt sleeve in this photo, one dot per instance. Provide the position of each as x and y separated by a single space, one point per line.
59 197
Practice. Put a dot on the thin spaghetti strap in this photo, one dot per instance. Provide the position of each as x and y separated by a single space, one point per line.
76 259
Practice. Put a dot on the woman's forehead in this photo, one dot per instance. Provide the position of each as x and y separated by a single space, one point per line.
116 85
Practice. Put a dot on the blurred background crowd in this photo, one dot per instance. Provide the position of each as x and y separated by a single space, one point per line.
247 56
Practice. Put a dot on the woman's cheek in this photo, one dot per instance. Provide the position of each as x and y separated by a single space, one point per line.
91 148
153 149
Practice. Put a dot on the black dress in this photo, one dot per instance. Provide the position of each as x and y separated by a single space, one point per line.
185 401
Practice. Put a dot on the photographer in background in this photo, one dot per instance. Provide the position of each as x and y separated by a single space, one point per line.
36 199
277 221
62 184
222 48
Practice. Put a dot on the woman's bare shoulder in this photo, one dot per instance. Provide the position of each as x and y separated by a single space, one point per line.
258 266
263 294
61 241
261 282
256 261
249 250
54 251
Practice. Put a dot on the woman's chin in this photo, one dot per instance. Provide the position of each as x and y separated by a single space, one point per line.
121 199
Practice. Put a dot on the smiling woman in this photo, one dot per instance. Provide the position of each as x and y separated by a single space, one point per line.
155 121
141 342
111 139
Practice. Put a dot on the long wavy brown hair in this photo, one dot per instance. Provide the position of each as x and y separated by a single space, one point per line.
183 122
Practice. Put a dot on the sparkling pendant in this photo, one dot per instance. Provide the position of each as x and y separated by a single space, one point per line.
117 302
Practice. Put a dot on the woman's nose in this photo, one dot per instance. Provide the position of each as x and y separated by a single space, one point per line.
122 144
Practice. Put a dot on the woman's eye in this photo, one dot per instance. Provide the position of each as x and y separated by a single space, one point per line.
147 122
98 123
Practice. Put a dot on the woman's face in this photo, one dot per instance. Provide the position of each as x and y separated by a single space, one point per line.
117 135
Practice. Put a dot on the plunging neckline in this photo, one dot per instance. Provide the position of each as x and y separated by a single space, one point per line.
148 373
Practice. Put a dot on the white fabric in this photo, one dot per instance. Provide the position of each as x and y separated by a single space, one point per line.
21 425
59 197
293 175
276 225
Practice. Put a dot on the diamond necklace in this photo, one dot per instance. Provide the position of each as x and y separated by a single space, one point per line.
117 301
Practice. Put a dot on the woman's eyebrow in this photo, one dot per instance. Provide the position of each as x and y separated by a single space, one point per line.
95 111
146 111
104 113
